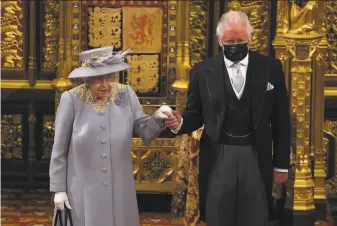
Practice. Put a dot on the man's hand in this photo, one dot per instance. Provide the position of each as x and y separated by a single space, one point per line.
173 120
280 178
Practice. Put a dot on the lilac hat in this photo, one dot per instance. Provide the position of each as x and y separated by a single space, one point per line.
100 61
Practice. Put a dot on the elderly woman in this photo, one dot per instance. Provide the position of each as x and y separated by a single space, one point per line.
90 168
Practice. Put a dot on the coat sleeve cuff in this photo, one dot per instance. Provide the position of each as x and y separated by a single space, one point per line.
57 187
280 170
176 131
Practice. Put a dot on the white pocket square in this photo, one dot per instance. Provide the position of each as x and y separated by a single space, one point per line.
269 86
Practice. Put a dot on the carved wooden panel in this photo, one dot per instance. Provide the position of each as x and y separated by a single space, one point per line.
258 13
48 135
153 166
330 153
11 136
146 27
104 27
143 76
12 35
50 34
198 27
329 28
329 22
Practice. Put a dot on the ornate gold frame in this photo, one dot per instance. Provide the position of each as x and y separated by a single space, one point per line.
303 56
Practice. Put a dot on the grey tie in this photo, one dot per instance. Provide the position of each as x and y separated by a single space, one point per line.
237 78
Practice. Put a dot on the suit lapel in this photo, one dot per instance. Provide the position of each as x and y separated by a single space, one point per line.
259 80
214 76
215 87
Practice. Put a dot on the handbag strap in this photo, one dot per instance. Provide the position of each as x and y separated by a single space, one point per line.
68 216
58 218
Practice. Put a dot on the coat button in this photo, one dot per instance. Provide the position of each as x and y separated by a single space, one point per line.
104 155
105 184
104 170
103 127
103 142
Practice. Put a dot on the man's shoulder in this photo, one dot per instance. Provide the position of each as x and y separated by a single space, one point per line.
205 64
263 59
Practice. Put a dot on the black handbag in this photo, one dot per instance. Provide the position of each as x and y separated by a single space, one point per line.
63 217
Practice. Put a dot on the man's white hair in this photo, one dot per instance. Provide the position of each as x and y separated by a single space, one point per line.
233 18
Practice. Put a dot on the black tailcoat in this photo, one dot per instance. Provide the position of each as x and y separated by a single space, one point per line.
270 113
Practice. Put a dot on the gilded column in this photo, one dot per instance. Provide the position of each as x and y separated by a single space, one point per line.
301 51
180 85
182 62
324 65
317 107
62 83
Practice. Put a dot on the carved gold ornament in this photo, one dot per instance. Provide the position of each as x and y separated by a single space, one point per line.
48 135
257 11
50 33
12 34
143 75
11 136
330 128
105 27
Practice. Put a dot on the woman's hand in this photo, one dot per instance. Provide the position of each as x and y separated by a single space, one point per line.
61 199
162 113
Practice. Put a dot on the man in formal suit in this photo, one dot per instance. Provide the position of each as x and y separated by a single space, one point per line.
241 99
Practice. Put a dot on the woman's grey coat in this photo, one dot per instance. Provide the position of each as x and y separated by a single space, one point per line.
91 155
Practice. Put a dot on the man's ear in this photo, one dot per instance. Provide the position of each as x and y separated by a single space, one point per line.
219 41
249 42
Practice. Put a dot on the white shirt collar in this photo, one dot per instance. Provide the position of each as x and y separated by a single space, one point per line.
242 62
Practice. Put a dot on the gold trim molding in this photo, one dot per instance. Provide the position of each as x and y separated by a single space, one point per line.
330 91
330 78
24 84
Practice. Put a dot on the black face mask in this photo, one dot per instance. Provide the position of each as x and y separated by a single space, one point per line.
235 52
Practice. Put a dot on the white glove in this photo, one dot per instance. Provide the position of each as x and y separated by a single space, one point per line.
61 199
159 114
